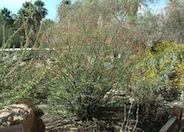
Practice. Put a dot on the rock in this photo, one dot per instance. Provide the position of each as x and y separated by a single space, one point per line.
24 113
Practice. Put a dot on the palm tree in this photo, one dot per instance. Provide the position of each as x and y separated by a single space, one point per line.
25 14
6 16
27 11
33 12
39 11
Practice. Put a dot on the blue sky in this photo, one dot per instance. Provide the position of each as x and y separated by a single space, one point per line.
159 5
52 5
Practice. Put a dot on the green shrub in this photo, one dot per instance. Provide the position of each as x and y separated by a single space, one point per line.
162 68
169 57
19 78
95 65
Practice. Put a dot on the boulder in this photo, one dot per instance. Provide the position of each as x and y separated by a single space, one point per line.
25 113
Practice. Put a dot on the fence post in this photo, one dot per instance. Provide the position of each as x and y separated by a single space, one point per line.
173 124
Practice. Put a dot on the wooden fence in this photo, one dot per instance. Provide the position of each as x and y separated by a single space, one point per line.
174 123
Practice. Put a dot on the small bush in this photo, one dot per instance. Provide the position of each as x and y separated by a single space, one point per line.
96 64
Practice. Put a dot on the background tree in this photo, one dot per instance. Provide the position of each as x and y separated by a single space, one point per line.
6 16
40 12
7 29
107 10
29 18
66 2
33 13
174 20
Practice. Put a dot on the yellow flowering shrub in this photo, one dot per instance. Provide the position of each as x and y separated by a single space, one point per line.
166 64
